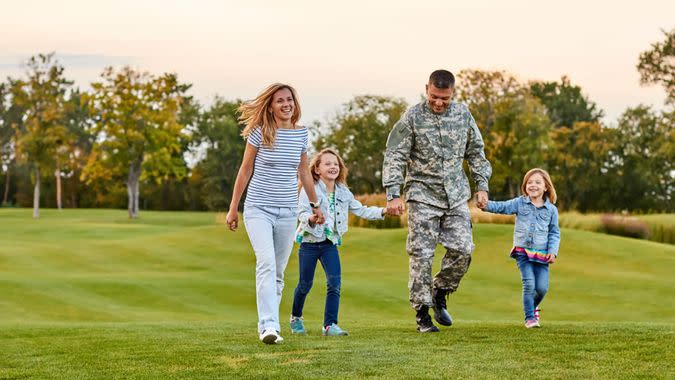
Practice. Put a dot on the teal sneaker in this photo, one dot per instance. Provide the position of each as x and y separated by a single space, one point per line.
297 326
333 330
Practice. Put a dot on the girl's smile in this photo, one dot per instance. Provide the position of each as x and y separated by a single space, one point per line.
329 168
535 186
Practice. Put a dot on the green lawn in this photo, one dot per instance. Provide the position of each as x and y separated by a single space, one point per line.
91 294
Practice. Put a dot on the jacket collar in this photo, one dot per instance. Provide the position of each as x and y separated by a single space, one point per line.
547 204
340 189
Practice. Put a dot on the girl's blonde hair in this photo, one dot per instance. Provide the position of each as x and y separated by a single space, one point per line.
316 161
256 113
550 189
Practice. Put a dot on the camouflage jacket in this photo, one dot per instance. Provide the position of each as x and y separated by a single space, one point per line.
430 149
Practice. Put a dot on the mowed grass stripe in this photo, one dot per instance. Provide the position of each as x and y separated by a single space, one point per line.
172 295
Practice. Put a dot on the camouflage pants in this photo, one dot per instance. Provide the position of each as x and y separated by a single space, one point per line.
427 226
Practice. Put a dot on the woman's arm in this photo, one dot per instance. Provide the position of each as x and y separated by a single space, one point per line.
308 184
243 176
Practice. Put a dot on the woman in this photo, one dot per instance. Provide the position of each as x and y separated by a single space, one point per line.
277 149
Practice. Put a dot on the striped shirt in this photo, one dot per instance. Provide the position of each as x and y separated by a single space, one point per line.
275 172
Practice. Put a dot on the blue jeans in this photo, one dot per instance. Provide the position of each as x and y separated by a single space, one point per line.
270 230
325 252
535 284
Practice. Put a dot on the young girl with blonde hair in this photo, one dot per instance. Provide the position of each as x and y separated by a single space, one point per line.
536 237
319 241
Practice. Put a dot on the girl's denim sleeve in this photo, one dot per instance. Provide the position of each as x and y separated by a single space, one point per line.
358 209
304 212
553 234
506 207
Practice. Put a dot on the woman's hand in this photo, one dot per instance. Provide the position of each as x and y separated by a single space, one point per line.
232 219
312 220
550 258
318 215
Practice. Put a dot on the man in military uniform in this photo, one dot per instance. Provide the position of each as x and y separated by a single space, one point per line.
429 144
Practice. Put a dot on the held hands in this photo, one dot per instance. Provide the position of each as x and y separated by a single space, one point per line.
317 217
395 207
481 199
550 258
232 219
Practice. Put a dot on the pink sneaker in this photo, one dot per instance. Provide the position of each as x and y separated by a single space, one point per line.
537 314
530 323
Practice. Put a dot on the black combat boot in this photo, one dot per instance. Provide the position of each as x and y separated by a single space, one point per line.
424 324
441 314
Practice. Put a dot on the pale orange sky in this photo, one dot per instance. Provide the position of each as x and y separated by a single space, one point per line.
334 51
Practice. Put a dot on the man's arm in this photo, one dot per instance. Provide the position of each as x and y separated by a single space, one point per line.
475 155
399 144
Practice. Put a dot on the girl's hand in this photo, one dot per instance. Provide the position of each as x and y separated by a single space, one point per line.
312 220
550 258
481 199
232 219
393 211
319 215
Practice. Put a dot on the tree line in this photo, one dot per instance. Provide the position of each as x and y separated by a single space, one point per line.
140 141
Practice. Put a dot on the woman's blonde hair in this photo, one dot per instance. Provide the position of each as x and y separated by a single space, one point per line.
256 113
550 189
316 161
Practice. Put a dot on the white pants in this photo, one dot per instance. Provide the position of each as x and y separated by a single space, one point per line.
271 231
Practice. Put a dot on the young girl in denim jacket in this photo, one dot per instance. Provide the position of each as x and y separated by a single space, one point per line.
536 237
319 241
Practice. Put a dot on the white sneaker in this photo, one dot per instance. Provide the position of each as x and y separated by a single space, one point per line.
270 336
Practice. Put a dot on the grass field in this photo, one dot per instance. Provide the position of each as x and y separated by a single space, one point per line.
91 294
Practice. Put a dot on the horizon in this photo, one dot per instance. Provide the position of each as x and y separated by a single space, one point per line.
332 53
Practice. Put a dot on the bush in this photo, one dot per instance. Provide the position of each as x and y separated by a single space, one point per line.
480 216
625 226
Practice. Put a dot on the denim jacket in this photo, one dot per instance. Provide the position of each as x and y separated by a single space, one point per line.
536 227
344 203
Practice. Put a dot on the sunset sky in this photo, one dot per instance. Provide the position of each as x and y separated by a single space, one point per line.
333 51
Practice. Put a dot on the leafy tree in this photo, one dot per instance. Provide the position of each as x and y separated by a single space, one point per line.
482 91
581 166
74 158
6 136
565 103
359 133
513 123
42 136
646 151
217 137
657 65
138 129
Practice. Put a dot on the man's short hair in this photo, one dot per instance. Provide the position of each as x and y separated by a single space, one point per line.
442 79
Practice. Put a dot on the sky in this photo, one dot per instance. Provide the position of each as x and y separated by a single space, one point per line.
333 51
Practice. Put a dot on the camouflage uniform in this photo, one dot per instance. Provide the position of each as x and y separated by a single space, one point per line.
430 148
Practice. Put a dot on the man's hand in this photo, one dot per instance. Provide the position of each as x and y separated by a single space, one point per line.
390 211
481 199
395 206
